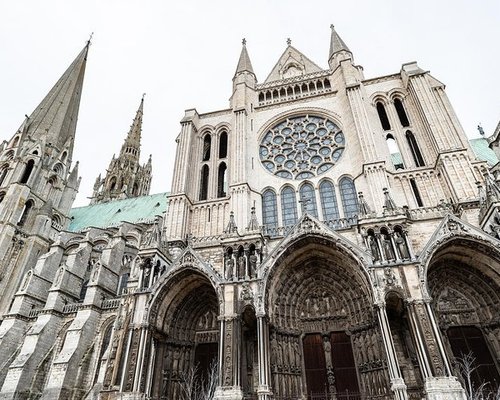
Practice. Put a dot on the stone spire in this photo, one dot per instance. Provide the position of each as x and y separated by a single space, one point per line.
125 177
56 116
244 63
338 49
132 144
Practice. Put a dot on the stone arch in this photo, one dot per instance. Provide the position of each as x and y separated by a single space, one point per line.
183 315
320 304
462 278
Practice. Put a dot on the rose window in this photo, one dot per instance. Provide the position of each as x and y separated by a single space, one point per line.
301 147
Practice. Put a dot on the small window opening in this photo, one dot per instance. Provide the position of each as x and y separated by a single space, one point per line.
204 183
416 192
27 171
223 145
403 118
207 145
415 150
25 213
396 158
222 181
384 120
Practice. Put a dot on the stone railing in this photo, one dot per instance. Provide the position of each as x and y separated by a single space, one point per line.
34 312
108 304
71 308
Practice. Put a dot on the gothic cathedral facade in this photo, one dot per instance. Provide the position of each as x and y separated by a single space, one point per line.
327 236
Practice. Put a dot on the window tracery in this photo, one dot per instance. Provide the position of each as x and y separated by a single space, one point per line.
301 147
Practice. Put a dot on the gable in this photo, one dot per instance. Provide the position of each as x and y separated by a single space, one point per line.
292 63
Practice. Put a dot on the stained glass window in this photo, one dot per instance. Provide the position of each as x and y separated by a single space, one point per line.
349 199
289 206
328 201
308 199
301 147
269 209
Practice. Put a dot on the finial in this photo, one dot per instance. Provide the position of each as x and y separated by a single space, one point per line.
289 42
480 129
90 39
244 42
144 94
332 27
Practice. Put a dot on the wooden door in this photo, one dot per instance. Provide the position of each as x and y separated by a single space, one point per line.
344 367
315 365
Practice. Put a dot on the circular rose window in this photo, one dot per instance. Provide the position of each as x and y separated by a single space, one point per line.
301 147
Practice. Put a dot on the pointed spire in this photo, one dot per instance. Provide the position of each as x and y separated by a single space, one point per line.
364 208
231 226
56 116
253 224
73 176
244 63
133 139
336 43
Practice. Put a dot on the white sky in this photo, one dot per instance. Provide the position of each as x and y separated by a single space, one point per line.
183 54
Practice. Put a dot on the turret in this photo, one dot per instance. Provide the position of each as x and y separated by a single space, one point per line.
338 50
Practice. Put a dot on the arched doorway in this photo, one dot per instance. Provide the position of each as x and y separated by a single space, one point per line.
186 336
324 336
463 280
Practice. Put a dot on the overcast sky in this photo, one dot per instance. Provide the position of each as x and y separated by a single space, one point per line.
183 55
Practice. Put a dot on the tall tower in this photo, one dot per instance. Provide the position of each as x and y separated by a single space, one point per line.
37 182
125 177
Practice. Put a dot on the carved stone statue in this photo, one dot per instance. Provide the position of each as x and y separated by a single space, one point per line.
387 246
252 265
401 245
229 267
374 248
241 267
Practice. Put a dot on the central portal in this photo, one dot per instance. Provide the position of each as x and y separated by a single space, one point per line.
324 336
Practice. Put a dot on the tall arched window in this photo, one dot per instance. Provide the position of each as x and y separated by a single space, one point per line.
269 210
207 145
112 184
403 118
308 200
328 201
204 183
222 180
396 158
3 173
24 216
223 145
289 206
384 120
349 199
415 151
27 171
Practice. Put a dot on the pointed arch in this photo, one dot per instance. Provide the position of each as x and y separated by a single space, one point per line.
308 199
222 180
288 206
415 150
207 147
3 173
204 182
348 195
27 171
382 115
26 211
328 198
400 109
269 210
395 152
223 145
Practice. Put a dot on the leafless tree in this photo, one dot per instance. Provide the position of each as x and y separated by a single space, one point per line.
467 366
196 386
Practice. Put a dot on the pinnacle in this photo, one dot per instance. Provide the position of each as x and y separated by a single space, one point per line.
336 43
244 63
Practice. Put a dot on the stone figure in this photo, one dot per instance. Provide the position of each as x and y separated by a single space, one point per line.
401 245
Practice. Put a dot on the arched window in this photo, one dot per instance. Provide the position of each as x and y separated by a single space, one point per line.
384 120
308 200
122 284
207 145
223 145
396 158
328 201
349 199
416 192
3 173
415 151
269 210
222 180
2 196
83 291
289 206
63 156
27 171
204 183
24 216
112 184
403 118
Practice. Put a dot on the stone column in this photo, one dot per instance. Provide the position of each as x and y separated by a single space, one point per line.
439 384
398 385
264 388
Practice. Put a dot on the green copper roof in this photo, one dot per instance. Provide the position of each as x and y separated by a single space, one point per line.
483 152
135 210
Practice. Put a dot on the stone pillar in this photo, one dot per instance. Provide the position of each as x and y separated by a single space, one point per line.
439 384
229 385
264 388
398 385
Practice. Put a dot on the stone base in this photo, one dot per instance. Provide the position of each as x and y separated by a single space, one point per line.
264 393
121 396
228 393
444 388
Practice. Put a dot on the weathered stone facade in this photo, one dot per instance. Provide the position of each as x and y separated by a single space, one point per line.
325 238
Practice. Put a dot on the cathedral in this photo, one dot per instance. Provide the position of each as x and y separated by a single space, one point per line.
326 236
